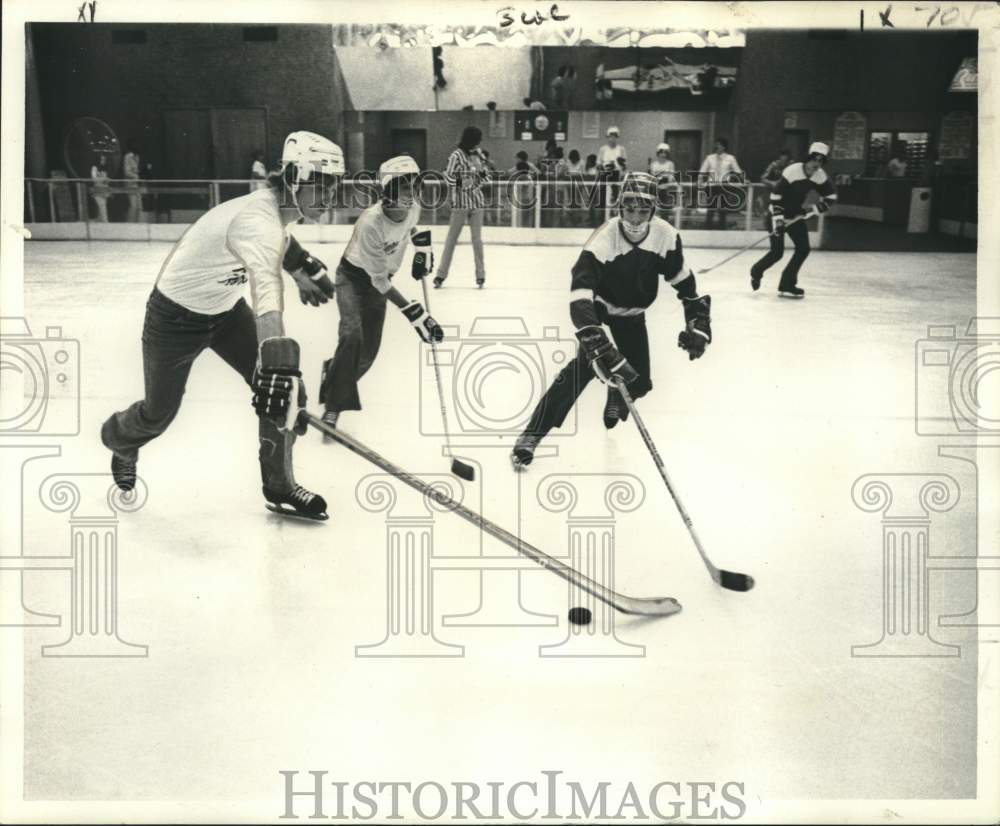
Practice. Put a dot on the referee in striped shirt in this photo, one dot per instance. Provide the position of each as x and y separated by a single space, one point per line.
464 177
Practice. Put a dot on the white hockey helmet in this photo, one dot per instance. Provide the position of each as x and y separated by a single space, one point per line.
639 190
819 148
310 154
663 147
401 166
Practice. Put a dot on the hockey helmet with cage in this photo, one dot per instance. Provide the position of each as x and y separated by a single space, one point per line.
638 195
391 171
308 154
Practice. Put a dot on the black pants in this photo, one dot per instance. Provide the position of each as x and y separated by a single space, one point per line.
799 233
172 338
362 315
630 337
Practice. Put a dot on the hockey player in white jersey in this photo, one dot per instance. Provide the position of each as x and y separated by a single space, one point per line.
364 283
200 303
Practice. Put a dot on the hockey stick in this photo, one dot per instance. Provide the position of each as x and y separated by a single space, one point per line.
767 237
647 606
727 579
458 467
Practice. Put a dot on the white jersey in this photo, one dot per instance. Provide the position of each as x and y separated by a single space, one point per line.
239 242
377 244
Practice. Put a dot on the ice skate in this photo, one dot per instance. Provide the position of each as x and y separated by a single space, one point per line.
615 409
298 502
123 471
791 292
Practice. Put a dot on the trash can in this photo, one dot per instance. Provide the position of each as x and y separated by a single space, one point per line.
920 210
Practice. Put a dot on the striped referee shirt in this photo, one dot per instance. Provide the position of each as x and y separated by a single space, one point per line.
464 181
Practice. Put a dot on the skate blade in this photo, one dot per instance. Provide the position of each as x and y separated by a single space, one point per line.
282 510
519 465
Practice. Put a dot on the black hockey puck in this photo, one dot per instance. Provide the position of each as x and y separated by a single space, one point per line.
580 616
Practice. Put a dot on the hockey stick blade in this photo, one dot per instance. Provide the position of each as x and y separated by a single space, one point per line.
729 580
640 606
463 471
735 581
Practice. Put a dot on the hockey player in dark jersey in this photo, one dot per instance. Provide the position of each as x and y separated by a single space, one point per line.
796 182
615 279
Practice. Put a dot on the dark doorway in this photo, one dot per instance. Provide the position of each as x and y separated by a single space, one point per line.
187 144
412 142
685 150
236 134
797 142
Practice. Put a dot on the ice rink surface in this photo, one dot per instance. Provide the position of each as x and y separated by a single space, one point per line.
764 437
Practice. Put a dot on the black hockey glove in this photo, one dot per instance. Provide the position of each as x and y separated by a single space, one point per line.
697 335
427 328
423 256
278 391
309 273
606 362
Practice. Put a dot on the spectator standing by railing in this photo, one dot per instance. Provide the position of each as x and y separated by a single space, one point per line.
130 172
612 161
717 169
258 172
463 175
101 190
772 175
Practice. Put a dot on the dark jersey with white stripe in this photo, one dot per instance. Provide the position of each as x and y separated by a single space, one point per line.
624 275
793 187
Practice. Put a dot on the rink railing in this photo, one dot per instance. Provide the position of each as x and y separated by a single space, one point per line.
71 208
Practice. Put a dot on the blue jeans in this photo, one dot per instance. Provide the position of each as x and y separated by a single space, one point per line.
172 338
362 314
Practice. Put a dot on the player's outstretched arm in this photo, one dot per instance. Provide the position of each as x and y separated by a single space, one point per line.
309 273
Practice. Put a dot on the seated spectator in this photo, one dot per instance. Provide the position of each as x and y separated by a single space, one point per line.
590 168
575 165
522 165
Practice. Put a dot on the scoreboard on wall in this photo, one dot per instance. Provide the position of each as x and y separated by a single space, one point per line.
532 125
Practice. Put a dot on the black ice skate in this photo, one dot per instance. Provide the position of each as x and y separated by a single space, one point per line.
480 281
297 502
615 409
524 450
755 278
791 292
438 281
123 471
330 418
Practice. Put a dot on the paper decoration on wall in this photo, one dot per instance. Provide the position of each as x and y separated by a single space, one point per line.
591 126
849 136
498 124
957 129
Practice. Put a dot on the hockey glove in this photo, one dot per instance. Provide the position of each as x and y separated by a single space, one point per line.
427 328
309 273
777 223
821 206
606 362
697 335
278 391
423 256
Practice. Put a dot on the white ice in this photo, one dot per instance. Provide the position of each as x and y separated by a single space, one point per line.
252 621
